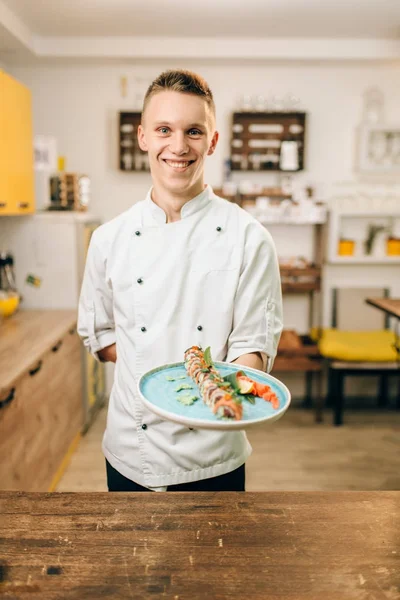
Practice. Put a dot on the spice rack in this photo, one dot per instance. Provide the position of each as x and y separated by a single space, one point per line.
131 157
257 139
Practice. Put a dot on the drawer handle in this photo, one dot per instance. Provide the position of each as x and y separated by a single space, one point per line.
57 346
3 204
9 399
23 204
33 372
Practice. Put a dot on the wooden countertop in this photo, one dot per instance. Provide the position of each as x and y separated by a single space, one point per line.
391 306
25 336
188 546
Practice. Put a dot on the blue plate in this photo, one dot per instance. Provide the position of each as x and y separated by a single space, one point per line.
159 394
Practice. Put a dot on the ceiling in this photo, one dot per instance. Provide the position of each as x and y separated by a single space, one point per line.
210 18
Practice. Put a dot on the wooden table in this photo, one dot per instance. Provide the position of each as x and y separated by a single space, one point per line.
390 306
186 546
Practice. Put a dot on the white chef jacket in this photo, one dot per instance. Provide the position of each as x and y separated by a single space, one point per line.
157 288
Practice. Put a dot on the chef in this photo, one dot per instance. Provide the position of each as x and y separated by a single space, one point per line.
181 267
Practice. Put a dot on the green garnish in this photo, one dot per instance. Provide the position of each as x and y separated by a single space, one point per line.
250 398
187 399
183 386
169 378
207 357
232 380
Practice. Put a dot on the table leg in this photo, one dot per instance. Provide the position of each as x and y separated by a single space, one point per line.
319 398
338 397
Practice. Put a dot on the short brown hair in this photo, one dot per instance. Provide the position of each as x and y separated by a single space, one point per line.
180 80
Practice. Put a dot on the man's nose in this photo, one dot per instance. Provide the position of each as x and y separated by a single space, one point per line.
179 144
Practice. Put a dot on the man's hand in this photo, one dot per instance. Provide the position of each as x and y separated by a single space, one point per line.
253 360
108 354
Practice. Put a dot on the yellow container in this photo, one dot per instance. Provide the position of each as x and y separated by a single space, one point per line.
9 305
346 247
393 246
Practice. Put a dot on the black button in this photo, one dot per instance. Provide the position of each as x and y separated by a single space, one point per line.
137 232
140 280
199 327
143 329
144 426
219 228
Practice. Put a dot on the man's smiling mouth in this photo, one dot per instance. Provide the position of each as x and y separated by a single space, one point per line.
178 164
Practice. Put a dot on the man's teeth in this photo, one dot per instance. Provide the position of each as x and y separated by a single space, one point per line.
177 165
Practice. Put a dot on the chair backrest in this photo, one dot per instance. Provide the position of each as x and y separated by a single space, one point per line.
350 311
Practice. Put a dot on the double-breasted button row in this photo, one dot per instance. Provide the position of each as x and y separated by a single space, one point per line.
139 280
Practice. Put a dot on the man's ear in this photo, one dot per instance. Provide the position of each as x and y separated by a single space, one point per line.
141 139
213 143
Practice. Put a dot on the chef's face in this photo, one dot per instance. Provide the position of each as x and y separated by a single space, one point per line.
178 132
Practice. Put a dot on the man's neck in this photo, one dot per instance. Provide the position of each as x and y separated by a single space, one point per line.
172 203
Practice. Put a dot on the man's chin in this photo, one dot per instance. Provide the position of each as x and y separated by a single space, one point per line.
177 184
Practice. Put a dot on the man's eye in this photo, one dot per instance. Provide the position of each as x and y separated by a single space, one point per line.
163 129
194 132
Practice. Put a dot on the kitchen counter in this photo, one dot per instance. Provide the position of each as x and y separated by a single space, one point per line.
41 398
186 546
24 338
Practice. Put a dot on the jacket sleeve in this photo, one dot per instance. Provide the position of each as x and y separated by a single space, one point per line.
257 316
95 314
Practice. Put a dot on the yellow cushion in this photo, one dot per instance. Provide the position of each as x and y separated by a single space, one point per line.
360 346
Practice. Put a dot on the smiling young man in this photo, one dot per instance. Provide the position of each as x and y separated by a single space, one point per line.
181 268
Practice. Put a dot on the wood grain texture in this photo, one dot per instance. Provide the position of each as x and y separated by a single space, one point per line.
44 415
178 546
25 337
390 306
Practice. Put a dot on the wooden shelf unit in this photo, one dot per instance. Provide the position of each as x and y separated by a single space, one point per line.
131 157
299 353
259 150
299 280
274 193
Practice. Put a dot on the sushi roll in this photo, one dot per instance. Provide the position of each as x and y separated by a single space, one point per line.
218 394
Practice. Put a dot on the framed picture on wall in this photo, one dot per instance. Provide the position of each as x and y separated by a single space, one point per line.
379 148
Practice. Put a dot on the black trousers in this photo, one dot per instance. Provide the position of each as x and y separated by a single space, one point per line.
229 482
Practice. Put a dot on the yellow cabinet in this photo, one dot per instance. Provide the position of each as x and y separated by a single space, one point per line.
16 148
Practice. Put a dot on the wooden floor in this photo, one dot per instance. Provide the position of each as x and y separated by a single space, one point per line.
294 453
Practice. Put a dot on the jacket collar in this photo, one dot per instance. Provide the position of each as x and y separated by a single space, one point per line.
189 208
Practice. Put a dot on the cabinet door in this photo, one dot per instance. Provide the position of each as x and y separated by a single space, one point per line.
36 425
4 144
12 440
66 398
16 148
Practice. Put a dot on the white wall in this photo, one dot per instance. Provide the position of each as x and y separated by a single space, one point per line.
79 104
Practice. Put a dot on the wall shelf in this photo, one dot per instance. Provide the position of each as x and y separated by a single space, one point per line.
364 260
257 139
131 157
300 280
357 227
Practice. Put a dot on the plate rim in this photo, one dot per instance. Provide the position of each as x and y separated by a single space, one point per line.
203 423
